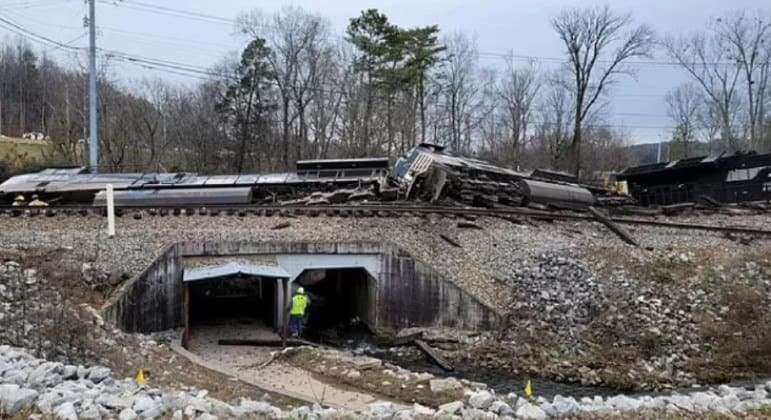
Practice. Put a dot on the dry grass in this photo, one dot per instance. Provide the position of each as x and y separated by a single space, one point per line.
741 339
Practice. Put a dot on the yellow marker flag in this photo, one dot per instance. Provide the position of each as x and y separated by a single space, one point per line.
529 389
140 378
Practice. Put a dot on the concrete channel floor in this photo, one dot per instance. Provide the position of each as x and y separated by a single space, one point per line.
246 363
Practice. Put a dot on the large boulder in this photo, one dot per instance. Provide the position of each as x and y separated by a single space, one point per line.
481 400
564 406
66 411
381 409
14 399
98 374
258 408
147 407
450 408
46 375
127 414
530 411
624 403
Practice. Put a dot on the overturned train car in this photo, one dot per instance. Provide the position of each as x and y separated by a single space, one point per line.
429 173
78 185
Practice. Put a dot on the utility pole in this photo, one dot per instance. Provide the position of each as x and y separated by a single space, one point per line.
92 99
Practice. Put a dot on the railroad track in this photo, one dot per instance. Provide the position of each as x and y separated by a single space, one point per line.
363 210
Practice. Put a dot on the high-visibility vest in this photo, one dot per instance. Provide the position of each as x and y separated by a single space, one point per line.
299 303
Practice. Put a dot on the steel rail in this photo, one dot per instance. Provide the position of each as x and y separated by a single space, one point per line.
400 208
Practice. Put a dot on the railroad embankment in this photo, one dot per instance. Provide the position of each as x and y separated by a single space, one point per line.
578 304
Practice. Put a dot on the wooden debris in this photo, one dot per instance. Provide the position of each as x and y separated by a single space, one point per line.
265 342
638 211
618 230
449 240
734 211
468 225
398 341
679 208
282 225
711 201
362 195
321 201
433 355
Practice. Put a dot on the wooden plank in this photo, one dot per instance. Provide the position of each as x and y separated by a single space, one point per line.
618 230
399 341
678 208
433 355
282 225
711 201
264 342
449 240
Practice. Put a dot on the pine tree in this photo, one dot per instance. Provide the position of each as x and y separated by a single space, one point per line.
248 98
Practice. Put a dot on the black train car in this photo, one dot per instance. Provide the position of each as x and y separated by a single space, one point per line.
727 179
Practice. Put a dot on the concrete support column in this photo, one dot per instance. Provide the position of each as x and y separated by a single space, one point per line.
186 310
280 309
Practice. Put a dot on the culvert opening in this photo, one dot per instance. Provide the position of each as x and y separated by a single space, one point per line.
378 284
342 299
232 305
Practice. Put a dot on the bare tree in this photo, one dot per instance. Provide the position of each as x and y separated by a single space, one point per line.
706 57
325 108
556 121
460 87
297 39
749 40
518 92
685 104
597 42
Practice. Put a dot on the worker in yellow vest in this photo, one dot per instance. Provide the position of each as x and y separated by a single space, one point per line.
297 313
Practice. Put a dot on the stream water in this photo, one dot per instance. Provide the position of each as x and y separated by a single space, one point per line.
503 382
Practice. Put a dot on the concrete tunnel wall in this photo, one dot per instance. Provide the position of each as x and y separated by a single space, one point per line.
153 300
407 293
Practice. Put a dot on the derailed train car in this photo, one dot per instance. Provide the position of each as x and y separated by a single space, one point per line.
78 185
430 173
426 173
727 179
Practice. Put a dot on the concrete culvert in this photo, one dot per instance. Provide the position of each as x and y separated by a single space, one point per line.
192 284
241 299
339 297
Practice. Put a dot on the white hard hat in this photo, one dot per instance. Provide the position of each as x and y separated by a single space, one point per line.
300 290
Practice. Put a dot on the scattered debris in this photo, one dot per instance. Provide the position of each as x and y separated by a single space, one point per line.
468 225
618 230
449 240
433 355
282 225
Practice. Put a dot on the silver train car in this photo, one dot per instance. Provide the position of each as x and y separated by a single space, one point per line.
78 185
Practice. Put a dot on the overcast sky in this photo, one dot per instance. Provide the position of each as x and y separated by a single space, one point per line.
501 26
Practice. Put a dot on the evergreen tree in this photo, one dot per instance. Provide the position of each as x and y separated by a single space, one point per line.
423 52
248 99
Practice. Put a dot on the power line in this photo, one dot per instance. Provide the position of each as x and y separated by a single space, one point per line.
29 4
18 29
180 11
162 37
202 73
169 12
